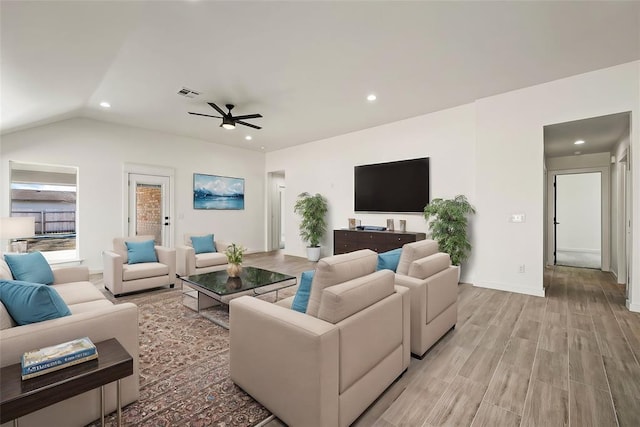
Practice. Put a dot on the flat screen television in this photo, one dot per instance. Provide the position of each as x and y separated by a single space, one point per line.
401 186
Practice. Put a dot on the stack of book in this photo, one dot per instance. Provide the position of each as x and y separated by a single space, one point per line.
49 359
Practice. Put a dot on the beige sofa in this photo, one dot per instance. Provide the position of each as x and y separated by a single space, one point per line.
433 283
93 316
325 367
190 263
121 278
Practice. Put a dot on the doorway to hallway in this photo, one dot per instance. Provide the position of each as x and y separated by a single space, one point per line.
578 220
276 202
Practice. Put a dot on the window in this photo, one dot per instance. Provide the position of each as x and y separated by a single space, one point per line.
48 193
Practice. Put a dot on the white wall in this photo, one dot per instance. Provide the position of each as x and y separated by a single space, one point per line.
595 160
510 173
633 302
578 210
491 150
99 150
327 167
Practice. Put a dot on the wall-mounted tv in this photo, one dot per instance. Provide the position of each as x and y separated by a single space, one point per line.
401 186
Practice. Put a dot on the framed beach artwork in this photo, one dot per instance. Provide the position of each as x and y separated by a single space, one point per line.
217 192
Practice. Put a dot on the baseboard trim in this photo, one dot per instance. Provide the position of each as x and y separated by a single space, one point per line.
536 292
633 307
583 250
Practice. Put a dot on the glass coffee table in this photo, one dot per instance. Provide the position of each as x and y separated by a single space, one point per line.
206 290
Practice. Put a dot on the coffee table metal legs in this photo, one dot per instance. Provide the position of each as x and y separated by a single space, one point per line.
119 405
15 421
119 402
102 406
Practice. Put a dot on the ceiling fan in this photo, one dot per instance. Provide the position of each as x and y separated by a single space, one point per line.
229 121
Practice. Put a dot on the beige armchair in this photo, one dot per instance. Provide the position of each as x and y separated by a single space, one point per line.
121 277
433 283
190 263
325 367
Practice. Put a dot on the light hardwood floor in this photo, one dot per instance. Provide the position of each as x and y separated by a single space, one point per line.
570 358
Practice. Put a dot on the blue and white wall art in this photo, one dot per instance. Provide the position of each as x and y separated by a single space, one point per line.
217 192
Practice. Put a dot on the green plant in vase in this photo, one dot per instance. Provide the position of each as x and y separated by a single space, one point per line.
312 209
447 220
234 255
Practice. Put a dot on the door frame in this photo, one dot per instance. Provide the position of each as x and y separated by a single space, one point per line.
624 218
605 214
141 169
273 208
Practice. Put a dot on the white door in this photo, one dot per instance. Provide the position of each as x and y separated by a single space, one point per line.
281 190
149 207
627 227
578 220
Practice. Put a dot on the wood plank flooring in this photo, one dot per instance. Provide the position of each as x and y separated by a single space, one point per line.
570 358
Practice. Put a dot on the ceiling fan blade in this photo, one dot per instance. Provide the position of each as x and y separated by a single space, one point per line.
206 115
248 116
247 124
218 109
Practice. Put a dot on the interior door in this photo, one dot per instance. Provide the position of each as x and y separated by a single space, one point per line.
149 207
281 190
627 222
578 220
555 219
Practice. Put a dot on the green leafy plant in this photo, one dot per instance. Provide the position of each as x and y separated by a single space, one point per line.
234 253
312 209
448 224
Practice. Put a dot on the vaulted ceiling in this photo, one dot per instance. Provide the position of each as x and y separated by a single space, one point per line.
306 66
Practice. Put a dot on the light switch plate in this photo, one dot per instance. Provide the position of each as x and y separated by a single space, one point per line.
517 217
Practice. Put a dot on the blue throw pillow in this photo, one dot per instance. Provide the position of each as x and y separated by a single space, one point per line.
389 260
203 244
31 268
301 300
138 252
31 302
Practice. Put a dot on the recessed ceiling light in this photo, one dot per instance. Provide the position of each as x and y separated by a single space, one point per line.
577 152
105 104
579 142
248 137
262 148
371 98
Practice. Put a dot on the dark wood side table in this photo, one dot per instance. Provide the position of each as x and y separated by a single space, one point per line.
349 240
21 397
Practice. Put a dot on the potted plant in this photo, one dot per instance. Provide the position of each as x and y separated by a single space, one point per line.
234 255
447 220
312 209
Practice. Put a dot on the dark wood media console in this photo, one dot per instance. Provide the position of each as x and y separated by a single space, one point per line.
347 240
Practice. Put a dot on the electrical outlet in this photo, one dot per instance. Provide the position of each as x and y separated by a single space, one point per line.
521 268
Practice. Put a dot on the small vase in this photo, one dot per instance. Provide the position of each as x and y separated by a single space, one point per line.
234 283
233 270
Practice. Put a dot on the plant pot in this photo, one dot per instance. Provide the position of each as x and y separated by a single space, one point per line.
459 270
313 254
234 283
233 270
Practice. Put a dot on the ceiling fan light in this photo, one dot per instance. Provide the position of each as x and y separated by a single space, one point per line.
228 123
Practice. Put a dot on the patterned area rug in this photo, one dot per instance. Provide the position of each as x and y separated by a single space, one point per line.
184 369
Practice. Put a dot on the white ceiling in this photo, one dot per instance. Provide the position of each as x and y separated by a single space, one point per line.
600 135
305 66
